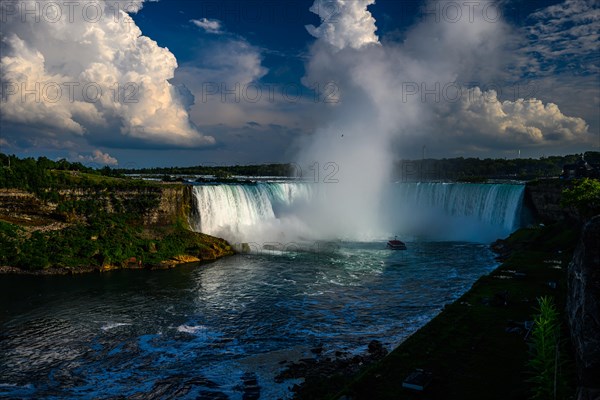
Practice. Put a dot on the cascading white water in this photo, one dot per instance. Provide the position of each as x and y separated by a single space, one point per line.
276 211
458 211
240 212
492 204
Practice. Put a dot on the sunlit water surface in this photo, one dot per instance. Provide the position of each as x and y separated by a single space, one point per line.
206 331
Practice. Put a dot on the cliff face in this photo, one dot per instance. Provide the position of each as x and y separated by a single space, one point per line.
173 203
543 197
583 307
24 208
132 226
163 204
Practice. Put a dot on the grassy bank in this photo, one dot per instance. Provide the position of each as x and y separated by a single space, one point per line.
102 244
476 348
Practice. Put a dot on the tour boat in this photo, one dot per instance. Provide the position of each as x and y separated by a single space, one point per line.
396 244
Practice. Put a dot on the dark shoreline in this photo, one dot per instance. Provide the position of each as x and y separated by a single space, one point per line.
465 345
61 271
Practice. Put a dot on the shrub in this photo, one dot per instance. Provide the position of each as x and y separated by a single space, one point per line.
545 360
584 196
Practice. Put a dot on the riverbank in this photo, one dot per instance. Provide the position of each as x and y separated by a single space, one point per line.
476 347
86 223
155 250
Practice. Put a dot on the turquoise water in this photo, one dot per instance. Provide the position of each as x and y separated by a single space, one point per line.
203 331
226 329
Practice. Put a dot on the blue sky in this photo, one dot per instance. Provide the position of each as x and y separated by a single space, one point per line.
175 82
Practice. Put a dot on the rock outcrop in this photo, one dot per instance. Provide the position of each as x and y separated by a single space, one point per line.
169 203
160 213
543 197
583 308
24 208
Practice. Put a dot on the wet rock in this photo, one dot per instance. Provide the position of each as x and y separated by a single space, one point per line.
376 349
319 372
179 386
543 198
251 390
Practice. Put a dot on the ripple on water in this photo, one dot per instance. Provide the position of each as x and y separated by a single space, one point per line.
113 325
220 330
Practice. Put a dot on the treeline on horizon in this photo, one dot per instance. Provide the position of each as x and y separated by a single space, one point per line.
32 174
38 175
427 169
475 169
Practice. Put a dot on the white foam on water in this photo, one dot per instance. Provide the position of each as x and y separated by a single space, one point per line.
112 325
191 329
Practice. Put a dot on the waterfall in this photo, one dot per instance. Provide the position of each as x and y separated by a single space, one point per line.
233 211
458 211
283 210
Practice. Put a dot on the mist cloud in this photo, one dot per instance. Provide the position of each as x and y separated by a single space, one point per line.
393 95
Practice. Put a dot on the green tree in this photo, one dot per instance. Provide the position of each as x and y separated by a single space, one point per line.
584 196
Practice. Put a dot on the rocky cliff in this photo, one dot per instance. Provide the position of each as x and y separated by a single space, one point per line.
583 308
161 204
543 197
130 225
26 209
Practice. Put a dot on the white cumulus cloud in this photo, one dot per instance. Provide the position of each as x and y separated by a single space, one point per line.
209 25
344 23
394 99
221 76
404 91
90 73
98 157
481 120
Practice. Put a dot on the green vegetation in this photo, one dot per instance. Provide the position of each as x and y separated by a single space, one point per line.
462 169
584 196
37 175
9 238
477 170
107 241
478 347
31 174
548 381
81 219
51 181
221 172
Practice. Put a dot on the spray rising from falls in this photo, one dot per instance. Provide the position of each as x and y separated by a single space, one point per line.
392 98
288 212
